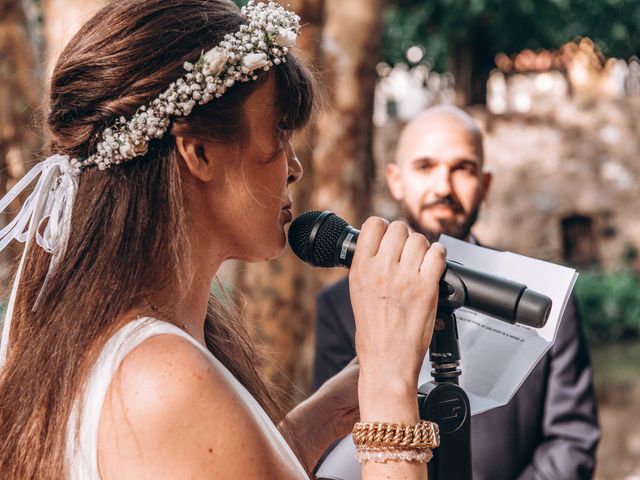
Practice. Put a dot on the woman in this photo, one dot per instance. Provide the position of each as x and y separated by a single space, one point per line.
171 121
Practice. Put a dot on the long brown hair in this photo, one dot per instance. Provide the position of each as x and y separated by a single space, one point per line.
125 218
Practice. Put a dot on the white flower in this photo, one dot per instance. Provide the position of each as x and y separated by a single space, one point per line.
215 59
271 28
286 38
126 150
254 61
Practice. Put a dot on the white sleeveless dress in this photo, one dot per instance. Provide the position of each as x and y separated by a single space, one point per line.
82 433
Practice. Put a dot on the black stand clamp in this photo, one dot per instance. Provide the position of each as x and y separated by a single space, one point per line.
444 402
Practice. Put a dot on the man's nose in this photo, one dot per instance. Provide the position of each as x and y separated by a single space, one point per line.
441 181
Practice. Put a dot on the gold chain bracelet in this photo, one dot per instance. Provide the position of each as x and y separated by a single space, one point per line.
395 436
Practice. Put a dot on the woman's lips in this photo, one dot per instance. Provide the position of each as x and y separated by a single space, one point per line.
287 214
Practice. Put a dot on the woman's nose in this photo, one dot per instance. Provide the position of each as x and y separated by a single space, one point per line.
295 167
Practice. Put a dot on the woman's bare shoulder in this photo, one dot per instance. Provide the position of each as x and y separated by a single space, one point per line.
170 413
166 370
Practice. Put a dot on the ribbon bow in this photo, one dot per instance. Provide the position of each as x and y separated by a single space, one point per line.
52 199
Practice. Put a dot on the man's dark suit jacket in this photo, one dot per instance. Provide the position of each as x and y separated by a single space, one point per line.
548 431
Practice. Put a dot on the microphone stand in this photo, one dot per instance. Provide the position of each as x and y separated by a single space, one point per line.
444 402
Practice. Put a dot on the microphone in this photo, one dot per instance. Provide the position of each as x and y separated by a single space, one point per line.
323 239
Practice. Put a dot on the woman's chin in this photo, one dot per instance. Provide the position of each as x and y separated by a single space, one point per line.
266 252
278 250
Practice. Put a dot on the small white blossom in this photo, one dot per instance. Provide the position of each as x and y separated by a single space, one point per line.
126 149
215 59
255 61
271 28
286 38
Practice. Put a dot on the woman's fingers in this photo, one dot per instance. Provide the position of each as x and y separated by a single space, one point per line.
434 263
393 242
414 251
373 229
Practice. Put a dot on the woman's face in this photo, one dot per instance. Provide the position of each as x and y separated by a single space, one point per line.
250 203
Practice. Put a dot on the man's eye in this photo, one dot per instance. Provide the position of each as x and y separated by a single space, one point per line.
465 167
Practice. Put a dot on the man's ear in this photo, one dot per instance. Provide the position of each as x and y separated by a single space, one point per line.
487 177
394 181
195 158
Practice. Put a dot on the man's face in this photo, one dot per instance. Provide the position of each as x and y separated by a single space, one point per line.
438 176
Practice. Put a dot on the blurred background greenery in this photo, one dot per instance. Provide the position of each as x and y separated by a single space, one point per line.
610 306
463 34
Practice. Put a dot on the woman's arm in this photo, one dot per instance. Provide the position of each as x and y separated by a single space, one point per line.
170 414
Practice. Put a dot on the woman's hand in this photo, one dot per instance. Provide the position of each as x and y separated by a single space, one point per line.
393 284
326 416
337 400
394 291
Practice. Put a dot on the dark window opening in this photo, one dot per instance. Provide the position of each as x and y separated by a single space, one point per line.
578 241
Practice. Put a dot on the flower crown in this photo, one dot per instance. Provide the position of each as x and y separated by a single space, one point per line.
259 44
270 31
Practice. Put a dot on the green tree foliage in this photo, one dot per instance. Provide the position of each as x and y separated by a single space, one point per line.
610 305
493 26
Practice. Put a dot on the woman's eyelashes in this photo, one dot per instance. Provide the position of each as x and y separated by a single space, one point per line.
283 134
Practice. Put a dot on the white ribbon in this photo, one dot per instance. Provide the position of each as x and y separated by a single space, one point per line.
52 199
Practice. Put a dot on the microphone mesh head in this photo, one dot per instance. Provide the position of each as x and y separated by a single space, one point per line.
300 231
326 240
324 249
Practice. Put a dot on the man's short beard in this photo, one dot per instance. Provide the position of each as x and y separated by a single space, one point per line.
459 231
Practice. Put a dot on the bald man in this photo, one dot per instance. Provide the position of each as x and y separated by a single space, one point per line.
438 174
549 430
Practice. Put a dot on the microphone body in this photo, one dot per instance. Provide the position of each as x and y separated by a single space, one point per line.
325 240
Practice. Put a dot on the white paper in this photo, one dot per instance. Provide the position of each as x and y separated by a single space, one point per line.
496 357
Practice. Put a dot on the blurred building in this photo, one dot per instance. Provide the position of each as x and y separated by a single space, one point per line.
532 81
402 92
